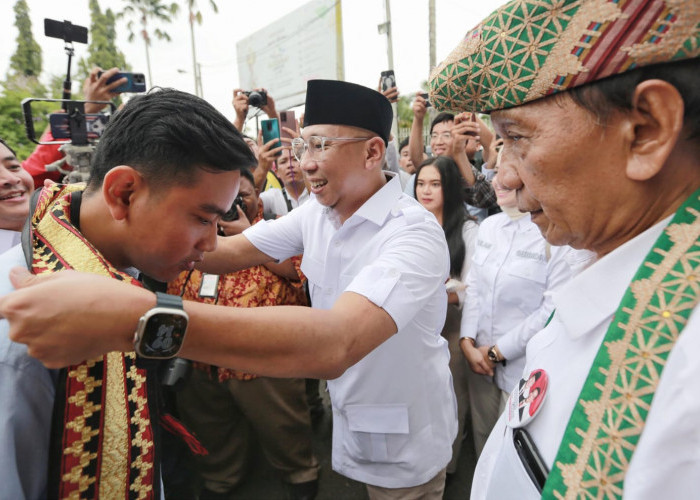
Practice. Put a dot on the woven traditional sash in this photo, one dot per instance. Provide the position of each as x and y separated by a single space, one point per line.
102 440
611 410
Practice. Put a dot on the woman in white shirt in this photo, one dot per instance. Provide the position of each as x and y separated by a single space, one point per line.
508 300
438 189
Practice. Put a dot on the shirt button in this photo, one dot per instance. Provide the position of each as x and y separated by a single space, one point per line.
337 243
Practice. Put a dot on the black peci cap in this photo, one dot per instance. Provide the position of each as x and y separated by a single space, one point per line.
332 102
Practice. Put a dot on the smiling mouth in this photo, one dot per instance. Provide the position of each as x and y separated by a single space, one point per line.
318 184
15 194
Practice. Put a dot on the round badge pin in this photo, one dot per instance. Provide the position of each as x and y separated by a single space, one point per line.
526 399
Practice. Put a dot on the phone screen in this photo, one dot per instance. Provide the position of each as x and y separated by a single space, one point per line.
287 119
95 125
388 80
270 131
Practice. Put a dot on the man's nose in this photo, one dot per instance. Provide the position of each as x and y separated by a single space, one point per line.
308 164
9 179
208 243
508 175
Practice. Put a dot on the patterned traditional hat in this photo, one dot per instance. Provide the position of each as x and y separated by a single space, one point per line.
529 49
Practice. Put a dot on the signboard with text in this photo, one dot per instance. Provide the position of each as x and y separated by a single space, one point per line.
301 46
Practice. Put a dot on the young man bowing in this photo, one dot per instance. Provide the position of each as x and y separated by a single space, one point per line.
376 262
164 172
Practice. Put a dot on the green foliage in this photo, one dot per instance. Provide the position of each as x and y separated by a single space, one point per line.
145 10
27 58
102 50
195 13
405 111
12 121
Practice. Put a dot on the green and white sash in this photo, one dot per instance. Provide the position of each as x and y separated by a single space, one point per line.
609 416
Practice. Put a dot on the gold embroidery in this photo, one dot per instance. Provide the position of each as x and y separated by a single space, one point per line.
113 453
560 60
630 380
114 472
141 463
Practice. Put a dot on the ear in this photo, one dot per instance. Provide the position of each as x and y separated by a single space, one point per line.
375 150
118 189
657 118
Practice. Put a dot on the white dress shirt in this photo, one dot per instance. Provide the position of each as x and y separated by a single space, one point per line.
8 239
509 288
666 463
26 404
273 201
394 411
470 230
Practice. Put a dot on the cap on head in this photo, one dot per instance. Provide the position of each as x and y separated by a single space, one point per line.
332 102
530 49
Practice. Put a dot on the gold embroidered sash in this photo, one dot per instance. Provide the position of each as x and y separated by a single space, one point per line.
101 437
608 419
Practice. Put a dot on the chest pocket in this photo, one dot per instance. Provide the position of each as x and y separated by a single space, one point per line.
529 269
315 273
481 252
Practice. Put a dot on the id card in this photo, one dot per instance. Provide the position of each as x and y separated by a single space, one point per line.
209 288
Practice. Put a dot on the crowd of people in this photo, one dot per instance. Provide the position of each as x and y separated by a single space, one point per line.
520 282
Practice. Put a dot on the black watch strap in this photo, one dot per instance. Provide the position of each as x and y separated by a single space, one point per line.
167 300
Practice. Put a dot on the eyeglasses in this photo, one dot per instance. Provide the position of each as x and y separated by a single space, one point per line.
445 136
317 145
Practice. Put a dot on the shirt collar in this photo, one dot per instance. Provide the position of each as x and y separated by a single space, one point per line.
379 205
583 304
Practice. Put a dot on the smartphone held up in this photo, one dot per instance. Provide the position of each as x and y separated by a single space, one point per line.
287 120
135 82
388 80
271 131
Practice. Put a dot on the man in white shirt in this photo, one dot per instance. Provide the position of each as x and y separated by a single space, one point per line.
610 163
16 187
376 262
293 192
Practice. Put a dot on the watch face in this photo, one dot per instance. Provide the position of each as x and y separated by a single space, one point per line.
162 336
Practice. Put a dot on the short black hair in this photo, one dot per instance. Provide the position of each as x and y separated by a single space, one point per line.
403 143
8 147
168 135
603 97
440 118
248 174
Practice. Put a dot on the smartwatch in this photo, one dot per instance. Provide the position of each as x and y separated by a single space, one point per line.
161 330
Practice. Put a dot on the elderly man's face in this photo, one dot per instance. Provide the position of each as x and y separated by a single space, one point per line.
569 172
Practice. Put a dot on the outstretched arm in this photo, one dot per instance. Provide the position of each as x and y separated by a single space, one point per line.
314 343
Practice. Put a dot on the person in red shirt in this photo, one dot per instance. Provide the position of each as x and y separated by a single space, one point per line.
95 88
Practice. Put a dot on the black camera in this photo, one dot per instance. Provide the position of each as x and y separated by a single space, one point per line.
232 214
257 98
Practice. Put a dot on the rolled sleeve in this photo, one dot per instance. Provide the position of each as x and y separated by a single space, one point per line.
395 283
280 238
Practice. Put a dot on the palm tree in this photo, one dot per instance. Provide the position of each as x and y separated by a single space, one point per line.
196 16
143 10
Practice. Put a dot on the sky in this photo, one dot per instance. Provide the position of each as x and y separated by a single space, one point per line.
365 49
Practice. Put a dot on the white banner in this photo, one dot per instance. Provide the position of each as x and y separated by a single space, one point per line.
304 45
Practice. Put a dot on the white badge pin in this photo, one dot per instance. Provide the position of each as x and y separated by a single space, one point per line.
526 399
